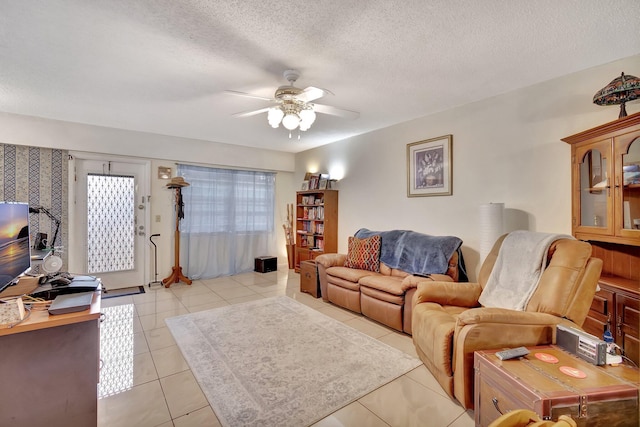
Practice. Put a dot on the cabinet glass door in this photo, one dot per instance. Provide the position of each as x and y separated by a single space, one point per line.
628 186
594 188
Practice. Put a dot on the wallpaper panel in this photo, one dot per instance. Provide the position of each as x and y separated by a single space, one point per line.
38 176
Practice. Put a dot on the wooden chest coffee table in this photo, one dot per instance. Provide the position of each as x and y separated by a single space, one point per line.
553 382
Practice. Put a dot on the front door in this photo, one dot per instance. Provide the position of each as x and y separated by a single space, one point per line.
110 220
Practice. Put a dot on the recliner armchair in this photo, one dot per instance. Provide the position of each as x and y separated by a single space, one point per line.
449 324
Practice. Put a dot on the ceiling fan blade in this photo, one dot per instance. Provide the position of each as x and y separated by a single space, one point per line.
327 109
312 93
247 95
251 113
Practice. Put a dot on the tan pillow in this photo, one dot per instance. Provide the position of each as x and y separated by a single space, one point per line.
364 254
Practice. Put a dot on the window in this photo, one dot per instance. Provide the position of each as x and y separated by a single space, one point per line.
229 219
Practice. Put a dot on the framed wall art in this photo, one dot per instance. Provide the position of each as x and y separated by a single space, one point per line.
429 167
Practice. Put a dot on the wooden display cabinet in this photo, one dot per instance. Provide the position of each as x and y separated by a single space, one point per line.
316 224
605 179
605 182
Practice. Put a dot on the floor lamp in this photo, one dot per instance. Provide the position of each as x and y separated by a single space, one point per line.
176 273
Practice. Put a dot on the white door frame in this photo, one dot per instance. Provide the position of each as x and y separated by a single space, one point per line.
76 255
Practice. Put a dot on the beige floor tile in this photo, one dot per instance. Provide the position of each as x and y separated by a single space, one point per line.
194 289
405 402
144 369
159 306
190 300
209 306
140 344
148 296
199 418
247 298
337 313
401 341
465 420
422 375
220 283
183 394
368 327
154 321
266 287
141 406
169 361
278 293
251 278
353 415
237 292
159 338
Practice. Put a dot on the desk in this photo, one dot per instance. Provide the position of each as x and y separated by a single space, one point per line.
49 369
607 396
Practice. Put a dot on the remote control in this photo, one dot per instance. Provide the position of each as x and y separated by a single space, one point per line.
512 353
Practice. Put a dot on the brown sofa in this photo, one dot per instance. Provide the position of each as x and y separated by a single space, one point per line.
383 296
449 323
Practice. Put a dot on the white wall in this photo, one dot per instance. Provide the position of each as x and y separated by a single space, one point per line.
163 151
505 149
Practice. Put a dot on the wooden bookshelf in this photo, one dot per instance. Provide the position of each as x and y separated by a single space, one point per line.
316 224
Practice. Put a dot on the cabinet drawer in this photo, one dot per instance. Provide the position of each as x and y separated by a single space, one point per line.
602 302
595 325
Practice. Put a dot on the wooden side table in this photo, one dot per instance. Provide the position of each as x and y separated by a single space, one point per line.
309 278
553 382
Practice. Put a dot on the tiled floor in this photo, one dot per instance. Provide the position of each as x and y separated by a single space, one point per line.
146 382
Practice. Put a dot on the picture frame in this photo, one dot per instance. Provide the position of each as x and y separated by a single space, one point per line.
305 185
322 185
429 167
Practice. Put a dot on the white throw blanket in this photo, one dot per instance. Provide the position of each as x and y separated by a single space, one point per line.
518 268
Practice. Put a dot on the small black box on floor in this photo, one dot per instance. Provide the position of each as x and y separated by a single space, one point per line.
265 264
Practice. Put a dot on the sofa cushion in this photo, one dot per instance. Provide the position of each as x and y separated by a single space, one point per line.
389 284
382 296
349 274
364 254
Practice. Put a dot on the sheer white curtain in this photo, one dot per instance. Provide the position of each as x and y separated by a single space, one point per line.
229 220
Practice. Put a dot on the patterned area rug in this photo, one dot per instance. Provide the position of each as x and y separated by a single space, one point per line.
276 362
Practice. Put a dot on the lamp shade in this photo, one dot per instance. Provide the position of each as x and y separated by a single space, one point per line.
290 121
619 91
275 116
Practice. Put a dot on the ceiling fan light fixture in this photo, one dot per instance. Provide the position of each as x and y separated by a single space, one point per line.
275 116
290 121
307 117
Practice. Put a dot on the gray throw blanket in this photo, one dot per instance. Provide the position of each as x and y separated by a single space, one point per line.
416 253
518 268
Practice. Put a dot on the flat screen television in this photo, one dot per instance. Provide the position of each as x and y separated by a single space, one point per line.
15 250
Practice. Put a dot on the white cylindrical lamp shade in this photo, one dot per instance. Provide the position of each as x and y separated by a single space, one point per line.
491 227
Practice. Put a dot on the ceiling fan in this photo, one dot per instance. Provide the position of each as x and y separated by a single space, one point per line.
292 106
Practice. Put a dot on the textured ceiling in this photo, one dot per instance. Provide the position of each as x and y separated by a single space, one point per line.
162 66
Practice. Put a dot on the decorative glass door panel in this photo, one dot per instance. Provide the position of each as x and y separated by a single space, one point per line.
594 187
110 223
628 185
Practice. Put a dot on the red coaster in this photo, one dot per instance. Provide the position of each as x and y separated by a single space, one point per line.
572 372
546 357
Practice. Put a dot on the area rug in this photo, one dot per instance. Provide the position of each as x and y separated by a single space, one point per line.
277 362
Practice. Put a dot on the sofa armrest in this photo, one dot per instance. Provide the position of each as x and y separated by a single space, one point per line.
412 281
448 293
331 260
506 316
323 262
